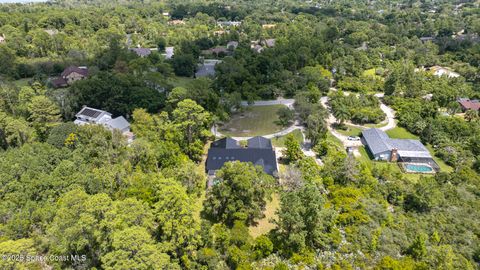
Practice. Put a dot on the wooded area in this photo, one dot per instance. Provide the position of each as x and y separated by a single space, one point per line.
70 189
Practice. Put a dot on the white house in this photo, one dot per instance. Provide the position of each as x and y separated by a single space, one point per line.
89 115
169 52
443 71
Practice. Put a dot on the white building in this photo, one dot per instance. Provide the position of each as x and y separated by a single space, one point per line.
169 52
439 71
89 115
443 71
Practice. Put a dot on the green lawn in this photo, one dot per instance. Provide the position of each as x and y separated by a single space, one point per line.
332 140
392 167
379 125
254 121
400 133
371 73
351 131
177 81
280 141
264 225
21 82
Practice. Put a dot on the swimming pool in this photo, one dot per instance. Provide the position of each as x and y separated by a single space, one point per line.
418 168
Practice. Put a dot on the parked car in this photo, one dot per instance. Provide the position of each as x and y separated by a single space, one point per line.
353 138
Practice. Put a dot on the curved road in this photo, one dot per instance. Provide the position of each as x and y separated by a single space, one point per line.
389 112
291 128
390 118
306 146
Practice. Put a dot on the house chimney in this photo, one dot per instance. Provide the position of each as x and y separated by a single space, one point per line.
394 155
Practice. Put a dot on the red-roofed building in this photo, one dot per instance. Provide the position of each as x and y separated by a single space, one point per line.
468 104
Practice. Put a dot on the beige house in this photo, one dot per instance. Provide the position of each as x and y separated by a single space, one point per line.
70 75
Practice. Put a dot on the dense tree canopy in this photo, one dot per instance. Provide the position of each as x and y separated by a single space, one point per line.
149 204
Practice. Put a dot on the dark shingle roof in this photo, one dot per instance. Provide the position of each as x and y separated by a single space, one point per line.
259 142
263 157
59 82
259 152
226 143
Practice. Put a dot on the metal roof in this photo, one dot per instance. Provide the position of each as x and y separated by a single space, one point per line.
118 123
379 142
376 140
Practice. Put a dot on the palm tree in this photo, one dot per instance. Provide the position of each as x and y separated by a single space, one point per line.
341 113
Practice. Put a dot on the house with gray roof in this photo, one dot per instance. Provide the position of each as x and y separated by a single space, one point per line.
142 52
88 115
259 151
207 69
232 45
382 147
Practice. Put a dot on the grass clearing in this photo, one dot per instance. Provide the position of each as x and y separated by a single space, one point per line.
280 141
264 225
351 131
401 133
379 125
332 140
177 81
254 121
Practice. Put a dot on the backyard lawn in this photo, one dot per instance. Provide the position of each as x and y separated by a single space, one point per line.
254 121
351 131
265 225
392 167
280 141
379 125
400 133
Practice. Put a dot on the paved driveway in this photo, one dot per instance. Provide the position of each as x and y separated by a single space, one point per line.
278 101
390 118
